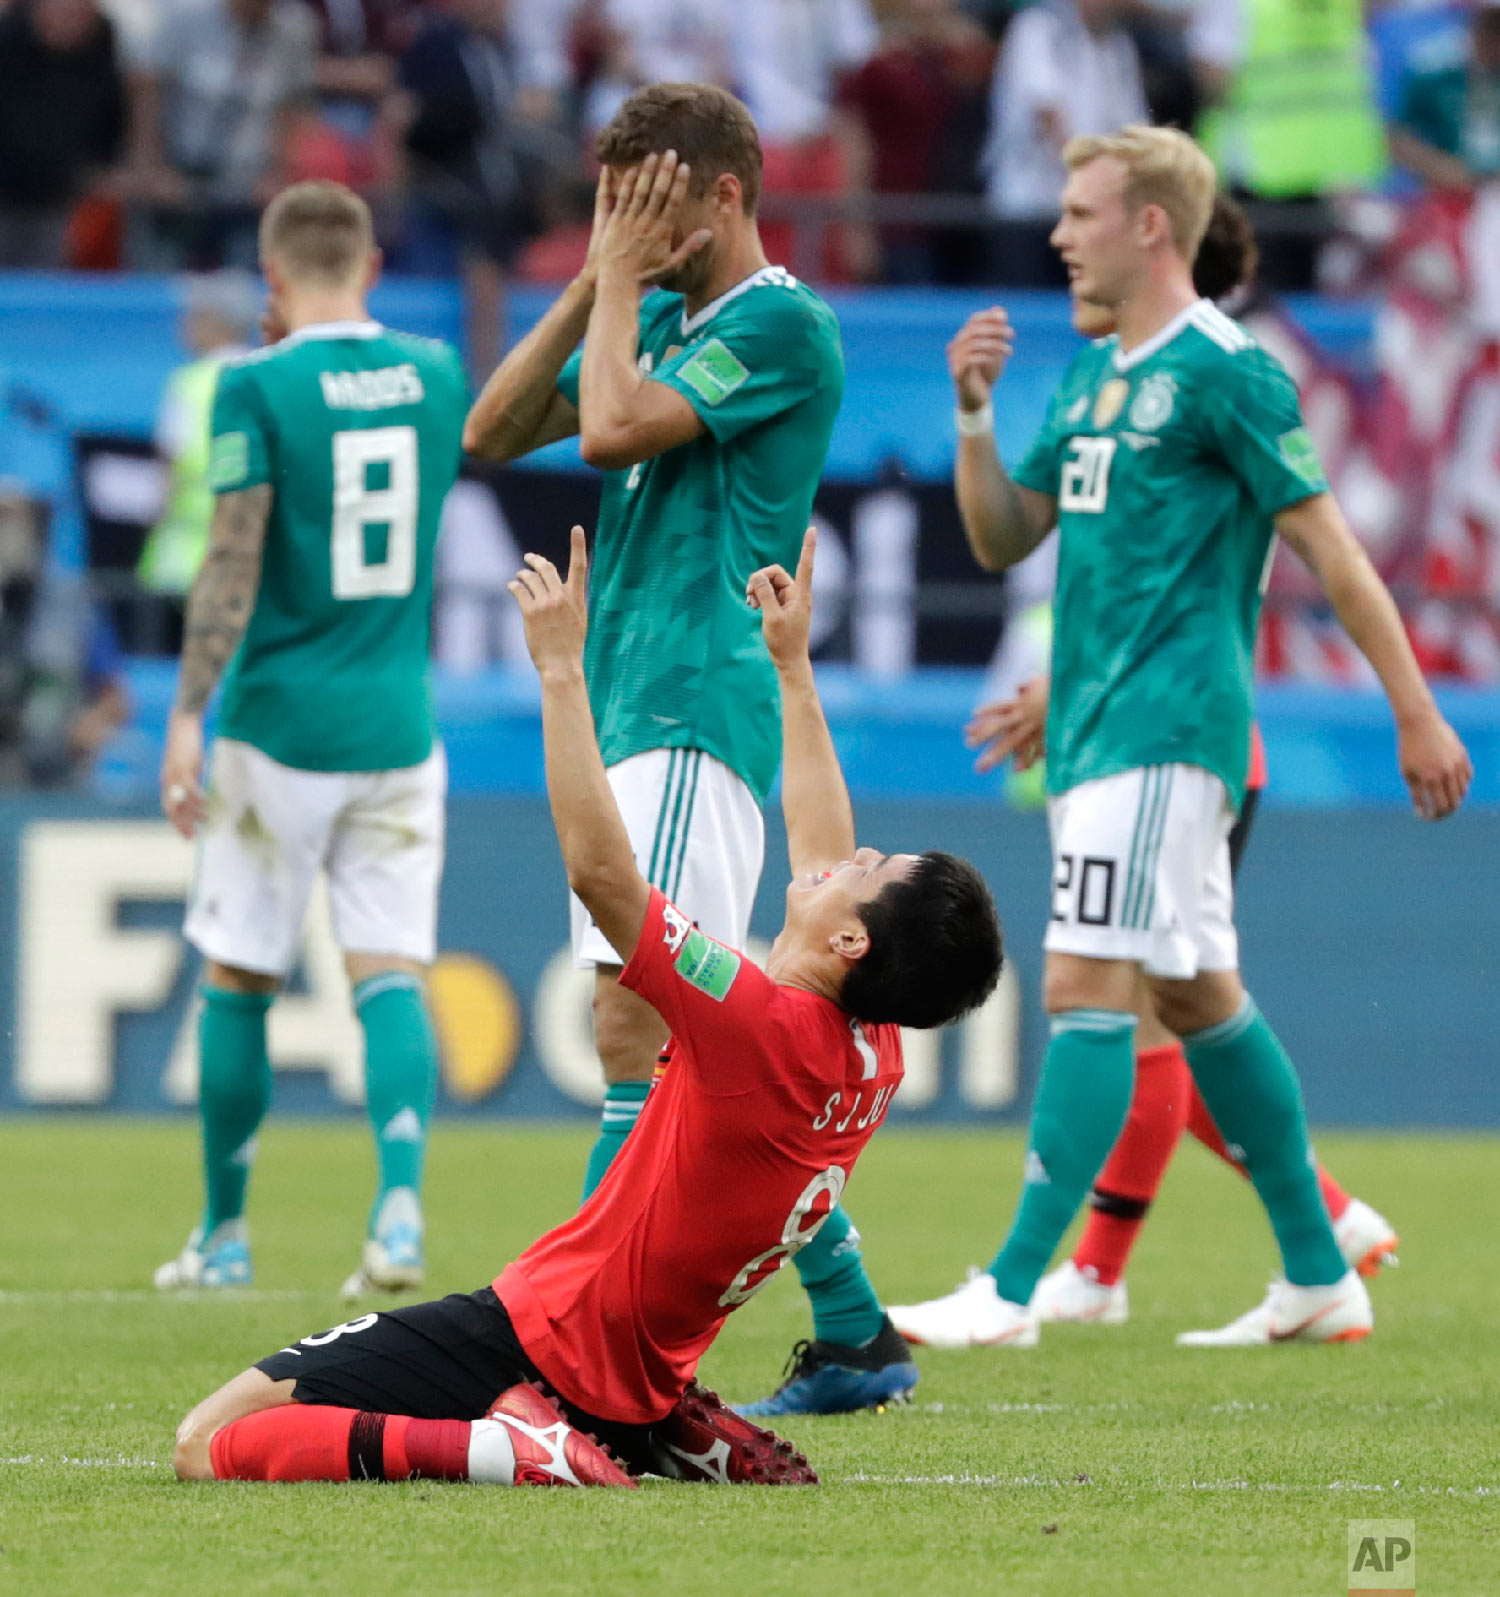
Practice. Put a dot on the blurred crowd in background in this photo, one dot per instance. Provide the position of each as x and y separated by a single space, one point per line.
907 142
147 133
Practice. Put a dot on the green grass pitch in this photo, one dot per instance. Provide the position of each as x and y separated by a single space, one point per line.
1104 1461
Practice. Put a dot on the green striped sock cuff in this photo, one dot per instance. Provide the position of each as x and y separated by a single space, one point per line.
388 981
1104 1022
623 1102
1227 1030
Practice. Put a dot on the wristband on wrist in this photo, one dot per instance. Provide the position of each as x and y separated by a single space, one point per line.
975 423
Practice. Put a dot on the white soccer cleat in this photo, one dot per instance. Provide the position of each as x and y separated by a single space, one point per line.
1337 1313
973 1315
1365 1238
1068 1293
222 1260
392 1260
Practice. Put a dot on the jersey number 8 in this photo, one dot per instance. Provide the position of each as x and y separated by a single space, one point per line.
357 506
794 1237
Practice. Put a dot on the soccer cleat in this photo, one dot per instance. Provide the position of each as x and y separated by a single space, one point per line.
392 1260
1068 1293
972 1315
1337 1313
223 1260
832 1378
545 1449
1365 1238
703 1439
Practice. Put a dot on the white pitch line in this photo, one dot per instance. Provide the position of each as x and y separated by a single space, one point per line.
993 1482
1029 1482
1016 1408
152 1295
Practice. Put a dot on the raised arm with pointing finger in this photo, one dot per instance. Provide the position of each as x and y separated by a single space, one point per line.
814 797
595 847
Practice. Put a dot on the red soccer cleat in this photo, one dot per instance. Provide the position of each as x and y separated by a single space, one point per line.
548 1450
705 1440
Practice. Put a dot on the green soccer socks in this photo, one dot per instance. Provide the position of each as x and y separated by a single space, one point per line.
623 1102
844 1306
1082 1099
234 1091
1252 1092
401 1072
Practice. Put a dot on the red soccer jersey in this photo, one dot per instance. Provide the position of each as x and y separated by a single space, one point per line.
741 1150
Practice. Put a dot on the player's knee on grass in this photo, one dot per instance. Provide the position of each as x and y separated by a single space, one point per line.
231 979
190 1451
249 1392
628 1032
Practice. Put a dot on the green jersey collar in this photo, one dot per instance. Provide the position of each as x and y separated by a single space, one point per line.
335 330
766 274
1163 336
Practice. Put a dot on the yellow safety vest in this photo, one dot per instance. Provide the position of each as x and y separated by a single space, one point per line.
1300 116
177 543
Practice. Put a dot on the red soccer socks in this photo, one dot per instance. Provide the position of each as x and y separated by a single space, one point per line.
523 1441
1124 1188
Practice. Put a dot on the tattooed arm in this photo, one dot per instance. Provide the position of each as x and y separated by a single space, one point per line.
218 612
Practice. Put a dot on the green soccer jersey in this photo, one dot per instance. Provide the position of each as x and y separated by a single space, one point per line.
675 657
358 430
1167 464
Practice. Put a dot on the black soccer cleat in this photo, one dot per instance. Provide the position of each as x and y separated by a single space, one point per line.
828 1378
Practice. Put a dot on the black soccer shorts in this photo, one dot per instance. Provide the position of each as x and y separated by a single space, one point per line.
444 1360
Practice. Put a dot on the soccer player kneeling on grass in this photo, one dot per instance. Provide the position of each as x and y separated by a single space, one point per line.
773 1083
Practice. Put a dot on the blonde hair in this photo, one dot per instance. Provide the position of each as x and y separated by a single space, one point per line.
1162 167
320 232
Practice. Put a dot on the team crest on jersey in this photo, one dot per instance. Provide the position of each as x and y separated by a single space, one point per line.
1110 401
1152 405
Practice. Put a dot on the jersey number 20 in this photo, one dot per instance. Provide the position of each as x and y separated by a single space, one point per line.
359 454
1085 474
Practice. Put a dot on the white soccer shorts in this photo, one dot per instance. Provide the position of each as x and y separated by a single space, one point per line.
697 834
270 829
1140 871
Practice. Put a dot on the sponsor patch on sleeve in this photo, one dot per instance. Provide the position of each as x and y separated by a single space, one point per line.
707 965
229 461
1300 454
714 372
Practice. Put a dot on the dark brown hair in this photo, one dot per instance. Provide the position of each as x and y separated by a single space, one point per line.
710 130
1228 255
320 231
